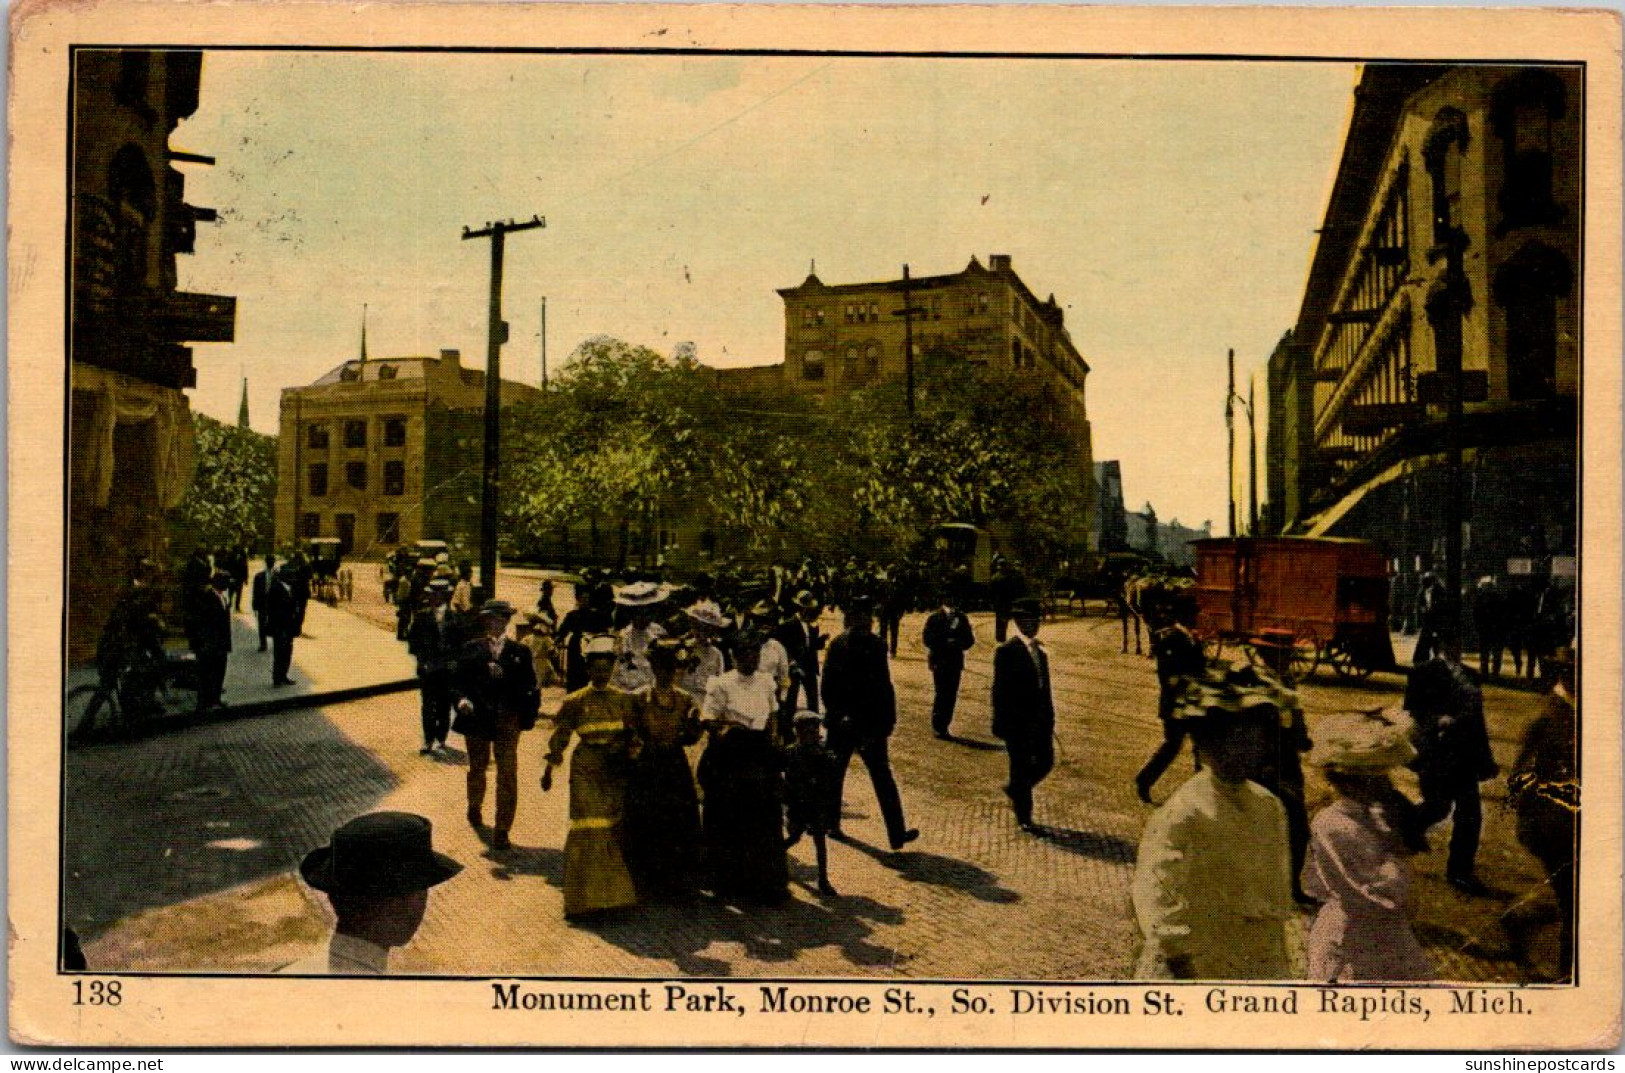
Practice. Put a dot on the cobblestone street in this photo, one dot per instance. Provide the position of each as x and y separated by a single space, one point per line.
181 848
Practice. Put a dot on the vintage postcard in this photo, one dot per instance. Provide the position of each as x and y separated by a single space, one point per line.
814 527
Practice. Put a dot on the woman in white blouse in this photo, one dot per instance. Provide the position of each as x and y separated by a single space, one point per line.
740 774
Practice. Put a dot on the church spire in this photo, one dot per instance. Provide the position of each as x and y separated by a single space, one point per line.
242 407
363 331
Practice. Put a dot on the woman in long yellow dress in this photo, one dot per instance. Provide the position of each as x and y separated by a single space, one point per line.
595 874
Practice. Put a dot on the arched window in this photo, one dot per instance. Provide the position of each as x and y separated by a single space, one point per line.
1524 111
1442 152
1528 287
871 360
812 365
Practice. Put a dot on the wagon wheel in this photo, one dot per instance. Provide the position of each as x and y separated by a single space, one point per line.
1345 663
1305 653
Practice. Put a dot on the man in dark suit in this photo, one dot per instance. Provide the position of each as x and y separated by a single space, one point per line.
256 600
208 631
1024 708
281 619
435 639
862 708
802 642
948 636
1452 757
494 686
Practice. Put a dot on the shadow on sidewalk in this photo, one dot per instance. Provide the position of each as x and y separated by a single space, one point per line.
681 932
919 867
157 822
1100 847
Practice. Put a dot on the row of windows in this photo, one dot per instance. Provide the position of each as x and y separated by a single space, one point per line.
355 433
869 313
813 364
388 528
355 475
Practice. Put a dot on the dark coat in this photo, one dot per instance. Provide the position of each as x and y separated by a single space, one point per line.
802 649
256 599
436 645
208 628
1022 704
858 693
1448 707
280 605
496 688
947 638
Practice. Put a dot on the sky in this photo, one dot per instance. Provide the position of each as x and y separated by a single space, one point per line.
1169 206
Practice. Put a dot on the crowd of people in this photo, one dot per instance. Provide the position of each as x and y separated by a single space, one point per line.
740 668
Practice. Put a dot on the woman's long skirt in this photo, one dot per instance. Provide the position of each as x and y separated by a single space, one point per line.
662 822
595 872
744 817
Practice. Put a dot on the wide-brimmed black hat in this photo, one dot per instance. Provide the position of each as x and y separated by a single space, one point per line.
501 608
1027 605
382 853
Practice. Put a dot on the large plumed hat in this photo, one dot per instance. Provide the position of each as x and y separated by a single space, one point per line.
641 594
1365 741
707 613
1235 691
381 853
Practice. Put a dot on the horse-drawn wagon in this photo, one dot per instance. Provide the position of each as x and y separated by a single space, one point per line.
1296 602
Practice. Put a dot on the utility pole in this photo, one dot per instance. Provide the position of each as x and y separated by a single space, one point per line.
1252 462
497 334
1445 308
1230 455
544 344
908 313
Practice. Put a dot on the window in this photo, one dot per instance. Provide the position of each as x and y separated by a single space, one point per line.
1523 112
394 477
874 312
818 314
316 437
389 528
806 318
318 478
812 365
311 526
355 475
851 314
984 302
1528 287
849 363
355 433
1015 353
386 372
872 360
394 432
936 307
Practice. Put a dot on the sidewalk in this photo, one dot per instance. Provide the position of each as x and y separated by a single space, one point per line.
339 657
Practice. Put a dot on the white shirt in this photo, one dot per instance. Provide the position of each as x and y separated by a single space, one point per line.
1213 882
744 701
632 670
707 666
775 664
345 956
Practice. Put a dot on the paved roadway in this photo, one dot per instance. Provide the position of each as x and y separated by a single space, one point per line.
182 847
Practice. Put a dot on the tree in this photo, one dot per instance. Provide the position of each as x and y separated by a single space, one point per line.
233 491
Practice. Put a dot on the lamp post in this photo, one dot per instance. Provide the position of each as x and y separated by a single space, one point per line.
1231 401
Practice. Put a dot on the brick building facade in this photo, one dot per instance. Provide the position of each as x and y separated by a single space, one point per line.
1491 155
130 426
384 452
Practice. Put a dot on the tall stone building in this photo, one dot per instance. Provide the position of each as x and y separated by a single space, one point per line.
1489 157
1111 516
843 337
384 452
131 445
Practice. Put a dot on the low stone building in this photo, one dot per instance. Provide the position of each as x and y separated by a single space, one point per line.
385 451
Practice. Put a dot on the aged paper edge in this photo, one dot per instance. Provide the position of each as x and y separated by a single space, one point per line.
197 1012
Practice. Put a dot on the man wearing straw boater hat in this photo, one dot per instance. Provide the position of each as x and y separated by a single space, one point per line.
376 873
496 700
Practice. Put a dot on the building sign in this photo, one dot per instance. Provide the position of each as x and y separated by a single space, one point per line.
1520 567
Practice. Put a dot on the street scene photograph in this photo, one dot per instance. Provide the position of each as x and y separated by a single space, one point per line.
666 515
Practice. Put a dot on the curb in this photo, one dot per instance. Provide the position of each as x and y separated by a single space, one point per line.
188 720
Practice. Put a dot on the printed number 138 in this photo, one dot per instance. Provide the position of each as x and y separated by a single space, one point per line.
96 993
